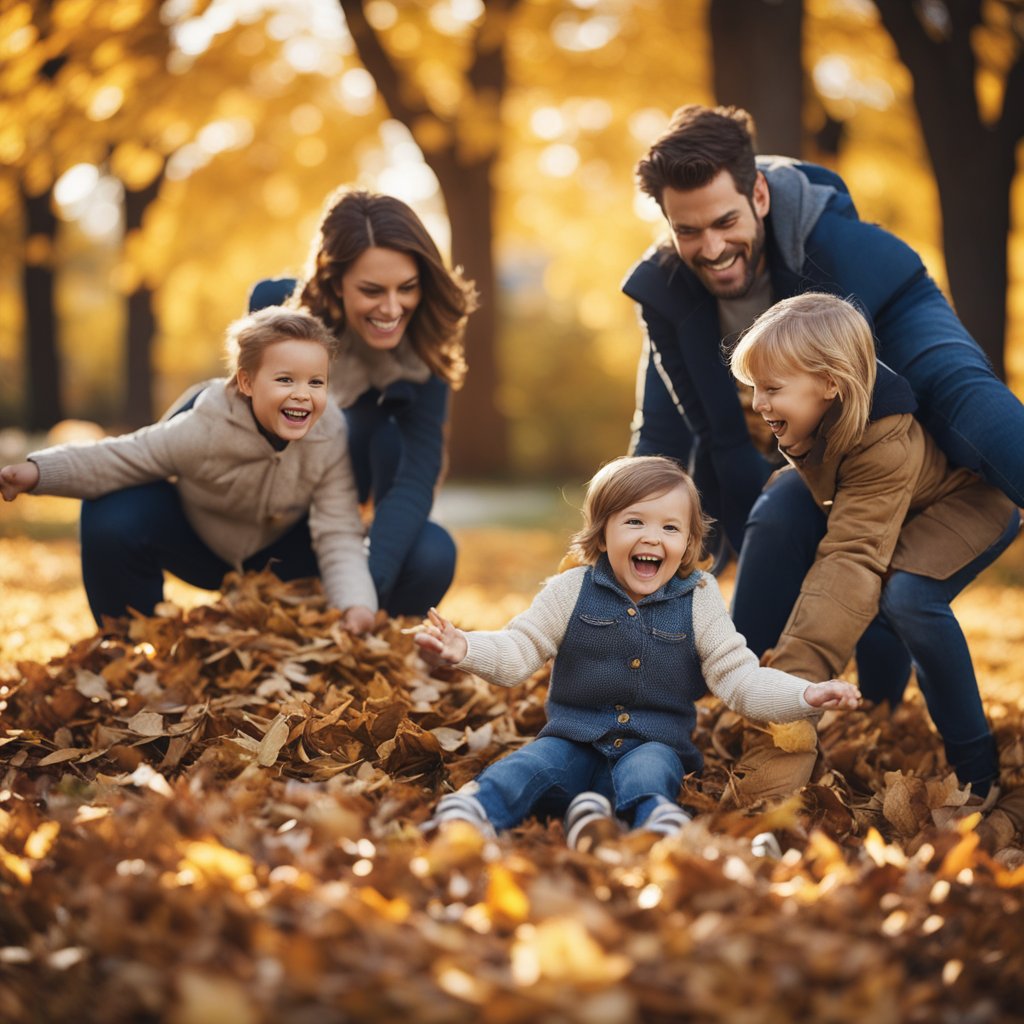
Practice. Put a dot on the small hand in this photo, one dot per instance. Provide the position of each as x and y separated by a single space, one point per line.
440 643
832 694
358 619
17 479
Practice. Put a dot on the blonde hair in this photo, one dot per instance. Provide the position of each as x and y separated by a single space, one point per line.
628 479
815 333
248 338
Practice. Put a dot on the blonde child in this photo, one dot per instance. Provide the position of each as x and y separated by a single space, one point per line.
247 472
637 634
905 531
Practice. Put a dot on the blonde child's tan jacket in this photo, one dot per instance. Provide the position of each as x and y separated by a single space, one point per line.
893 503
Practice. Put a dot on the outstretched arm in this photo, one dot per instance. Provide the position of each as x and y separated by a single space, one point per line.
832 694
358 619
440 643
507 656
18 478
399 515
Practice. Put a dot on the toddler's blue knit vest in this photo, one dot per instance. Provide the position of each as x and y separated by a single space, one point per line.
628 670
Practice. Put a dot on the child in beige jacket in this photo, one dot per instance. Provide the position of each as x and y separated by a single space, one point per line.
246 472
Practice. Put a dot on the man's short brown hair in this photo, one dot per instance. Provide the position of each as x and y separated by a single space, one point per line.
698 144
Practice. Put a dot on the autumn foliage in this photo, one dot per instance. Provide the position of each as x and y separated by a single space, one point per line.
217 819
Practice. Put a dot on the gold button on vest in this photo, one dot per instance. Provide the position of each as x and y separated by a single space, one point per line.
623 718
631 611
635 663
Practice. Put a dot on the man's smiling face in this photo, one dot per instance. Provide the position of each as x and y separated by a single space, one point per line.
719 233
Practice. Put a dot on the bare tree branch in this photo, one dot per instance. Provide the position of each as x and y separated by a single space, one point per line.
485 72
395 87
941 63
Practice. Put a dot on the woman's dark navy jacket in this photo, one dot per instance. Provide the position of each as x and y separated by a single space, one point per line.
402 503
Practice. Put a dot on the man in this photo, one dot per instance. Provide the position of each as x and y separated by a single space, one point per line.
746 233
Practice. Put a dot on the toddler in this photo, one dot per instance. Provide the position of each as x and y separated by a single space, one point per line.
637 634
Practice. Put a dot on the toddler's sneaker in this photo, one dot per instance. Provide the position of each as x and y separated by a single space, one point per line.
667 819
588 820
764 844
459 807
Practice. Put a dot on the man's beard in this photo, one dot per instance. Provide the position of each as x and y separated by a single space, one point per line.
751 261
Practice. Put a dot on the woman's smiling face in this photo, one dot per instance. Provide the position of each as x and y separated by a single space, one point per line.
380 292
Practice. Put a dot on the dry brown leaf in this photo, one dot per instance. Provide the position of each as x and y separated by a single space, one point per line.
147 723
273 740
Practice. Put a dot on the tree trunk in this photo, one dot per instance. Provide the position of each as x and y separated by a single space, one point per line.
42 363
975 237
973 161
140 329
756 49
478 445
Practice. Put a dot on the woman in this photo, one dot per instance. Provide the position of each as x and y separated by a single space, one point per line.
376 279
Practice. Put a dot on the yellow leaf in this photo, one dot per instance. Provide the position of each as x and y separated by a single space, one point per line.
396 910
16 866
505 897
213 860
561 949
961 856
136 165
38 844
1010 879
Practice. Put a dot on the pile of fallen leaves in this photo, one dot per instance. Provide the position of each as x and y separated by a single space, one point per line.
216 820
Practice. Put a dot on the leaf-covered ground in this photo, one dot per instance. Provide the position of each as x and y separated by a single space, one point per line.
215 820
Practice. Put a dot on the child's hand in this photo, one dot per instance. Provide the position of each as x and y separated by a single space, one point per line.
833 694
440 643
17 479
358 619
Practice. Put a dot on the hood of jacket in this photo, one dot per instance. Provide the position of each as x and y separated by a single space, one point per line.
797 203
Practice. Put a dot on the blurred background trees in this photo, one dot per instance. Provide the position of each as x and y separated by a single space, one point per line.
156 158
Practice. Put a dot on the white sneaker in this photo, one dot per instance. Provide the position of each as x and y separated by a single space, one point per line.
764 844
588 820
459 807
668 819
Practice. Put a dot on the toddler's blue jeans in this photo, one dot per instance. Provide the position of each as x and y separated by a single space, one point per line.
544 775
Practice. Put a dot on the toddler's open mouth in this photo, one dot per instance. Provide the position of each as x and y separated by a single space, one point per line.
646 566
